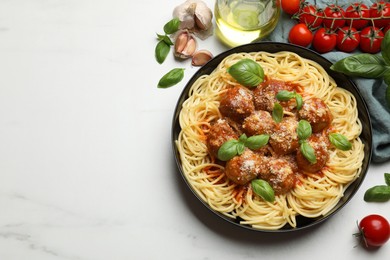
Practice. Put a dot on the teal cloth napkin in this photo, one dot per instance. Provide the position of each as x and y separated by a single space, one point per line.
373 91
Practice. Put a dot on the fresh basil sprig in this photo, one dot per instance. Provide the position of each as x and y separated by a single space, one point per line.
247 72
164 42
340 141
173 77
263 189
234 147
277 113
379 193
367 65
304 131
285 95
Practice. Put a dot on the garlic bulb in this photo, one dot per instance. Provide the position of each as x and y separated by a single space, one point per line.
201 57
195 16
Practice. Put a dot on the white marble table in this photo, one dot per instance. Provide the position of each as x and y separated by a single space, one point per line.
86 167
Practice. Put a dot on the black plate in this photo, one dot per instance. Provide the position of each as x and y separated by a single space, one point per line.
341 80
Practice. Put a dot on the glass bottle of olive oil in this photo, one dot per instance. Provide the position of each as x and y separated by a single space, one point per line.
244 21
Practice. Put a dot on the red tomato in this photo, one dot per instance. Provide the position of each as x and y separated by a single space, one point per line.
333 17
380 9
348 39
300 35
357 10
291 6
324 41
311 16
374 230
370 39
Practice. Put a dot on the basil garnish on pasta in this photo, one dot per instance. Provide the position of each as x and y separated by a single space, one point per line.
285 95
234 147
340 141
277 113
304 131
263 189
247 72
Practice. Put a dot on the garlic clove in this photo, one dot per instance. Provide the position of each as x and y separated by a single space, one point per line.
201 57
203 16
185 45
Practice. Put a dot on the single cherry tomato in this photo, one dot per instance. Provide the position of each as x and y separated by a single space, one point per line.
370 39
357 10
374 230
380 9
301 35
324 40
311 16
333 17
291 6
348 39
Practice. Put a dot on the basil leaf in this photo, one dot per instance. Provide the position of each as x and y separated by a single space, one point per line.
387 179
299 101
256 141
228 150
263 189
304 130
247 72
379 193
285 95
361 65
173 77
277 113
340 141
172 26
161 51
308 152
385 48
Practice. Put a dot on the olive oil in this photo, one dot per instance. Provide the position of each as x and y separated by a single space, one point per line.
244 21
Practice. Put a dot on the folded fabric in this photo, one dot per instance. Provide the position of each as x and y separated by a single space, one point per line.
373 91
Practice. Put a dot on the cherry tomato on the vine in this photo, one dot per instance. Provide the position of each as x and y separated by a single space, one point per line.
380 9
301 35
348 39
333 16
374 230
357 10
311 16
370 39
291 6
324 41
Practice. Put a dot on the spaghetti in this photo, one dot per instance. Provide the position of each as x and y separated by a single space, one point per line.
315 194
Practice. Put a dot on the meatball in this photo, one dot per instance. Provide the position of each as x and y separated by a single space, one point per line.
264 95
219 133
243 168
281 176
284 139
237 103
320 144
317 113
259 122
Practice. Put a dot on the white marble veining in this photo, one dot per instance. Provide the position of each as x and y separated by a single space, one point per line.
86 167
